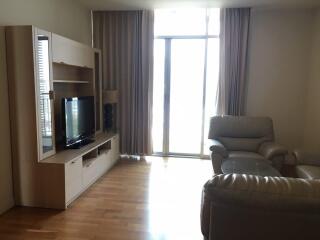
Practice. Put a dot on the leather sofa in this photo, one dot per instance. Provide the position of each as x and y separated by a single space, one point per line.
266 208
243 138
307 165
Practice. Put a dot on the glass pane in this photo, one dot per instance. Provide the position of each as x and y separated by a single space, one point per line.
186 95
214 21
44 89
180 22
158 95
211 86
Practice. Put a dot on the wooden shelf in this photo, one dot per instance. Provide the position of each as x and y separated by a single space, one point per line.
68 155
70 81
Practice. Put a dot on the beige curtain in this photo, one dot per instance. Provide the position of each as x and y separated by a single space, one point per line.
126 41
234 32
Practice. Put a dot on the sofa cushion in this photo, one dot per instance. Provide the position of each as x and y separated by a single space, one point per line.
308 172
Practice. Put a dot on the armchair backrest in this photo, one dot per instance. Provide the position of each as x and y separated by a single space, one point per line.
241 133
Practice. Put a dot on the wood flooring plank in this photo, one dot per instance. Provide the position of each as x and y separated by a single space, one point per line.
156 199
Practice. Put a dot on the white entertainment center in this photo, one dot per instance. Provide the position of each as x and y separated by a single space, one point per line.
43 69
74 170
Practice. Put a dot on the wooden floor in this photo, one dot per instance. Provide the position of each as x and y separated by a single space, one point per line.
155 198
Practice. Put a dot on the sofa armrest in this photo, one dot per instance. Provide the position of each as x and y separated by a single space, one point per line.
304 158
217 147
270 150
234 197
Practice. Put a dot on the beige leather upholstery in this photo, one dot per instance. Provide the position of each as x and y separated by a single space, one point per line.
306 158
217 147
308 172
241 133
253 207
271 149
243 137
308 164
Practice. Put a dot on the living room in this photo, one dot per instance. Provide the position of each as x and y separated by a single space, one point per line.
144 173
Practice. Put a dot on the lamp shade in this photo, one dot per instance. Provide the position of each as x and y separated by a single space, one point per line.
110 96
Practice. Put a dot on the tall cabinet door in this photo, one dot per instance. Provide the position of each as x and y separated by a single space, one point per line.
44 93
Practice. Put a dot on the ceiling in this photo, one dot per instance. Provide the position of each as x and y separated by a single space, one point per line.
143 4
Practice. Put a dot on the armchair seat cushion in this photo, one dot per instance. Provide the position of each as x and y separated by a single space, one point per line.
308 172
250 166
243 154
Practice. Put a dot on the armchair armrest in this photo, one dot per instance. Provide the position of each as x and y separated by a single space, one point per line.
306 158
270 150
217 147
218 153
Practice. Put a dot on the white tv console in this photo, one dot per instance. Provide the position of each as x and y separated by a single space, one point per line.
68 173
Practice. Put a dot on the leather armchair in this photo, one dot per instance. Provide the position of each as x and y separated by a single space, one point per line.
243 137
252 207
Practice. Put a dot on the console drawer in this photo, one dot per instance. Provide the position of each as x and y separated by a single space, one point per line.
73 176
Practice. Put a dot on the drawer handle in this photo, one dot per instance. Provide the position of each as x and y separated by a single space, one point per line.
73 162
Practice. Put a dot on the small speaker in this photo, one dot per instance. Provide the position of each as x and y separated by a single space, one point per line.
108 116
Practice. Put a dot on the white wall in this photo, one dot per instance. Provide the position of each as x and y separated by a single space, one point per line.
65 17
312 115
278 69
6 196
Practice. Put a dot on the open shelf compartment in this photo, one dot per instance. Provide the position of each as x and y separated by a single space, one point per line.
104 147
89 157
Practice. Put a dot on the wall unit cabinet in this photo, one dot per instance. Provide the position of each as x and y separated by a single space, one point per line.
66 51
43 68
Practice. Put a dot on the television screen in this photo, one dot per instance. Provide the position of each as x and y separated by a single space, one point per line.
78 119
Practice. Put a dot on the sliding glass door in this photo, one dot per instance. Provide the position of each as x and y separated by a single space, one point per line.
185 82
186 95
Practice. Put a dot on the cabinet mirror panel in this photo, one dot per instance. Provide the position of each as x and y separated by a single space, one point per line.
44 94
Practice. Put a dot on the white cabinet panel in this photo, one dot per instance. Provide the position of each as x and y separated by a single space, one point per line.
71 52
73 176
115 154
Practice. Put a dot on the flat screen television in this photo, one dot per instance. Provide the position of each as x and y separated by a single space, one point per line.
78 121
